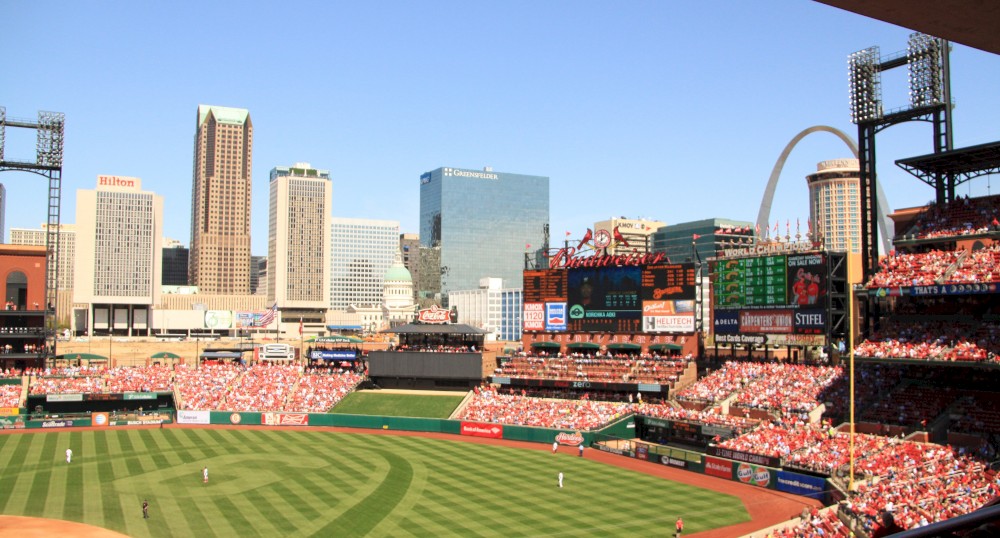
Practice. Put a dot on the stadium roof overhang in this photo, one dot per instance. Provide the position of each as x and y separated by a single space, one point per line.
972 24
963 163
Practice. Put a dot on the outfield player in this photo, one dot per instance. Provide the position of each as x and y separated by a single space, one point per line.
145 509
555 446
204 474
560 478
69 455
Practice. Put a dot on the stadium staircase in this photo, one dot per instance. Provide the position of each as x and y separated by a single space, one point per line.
462 405
23 400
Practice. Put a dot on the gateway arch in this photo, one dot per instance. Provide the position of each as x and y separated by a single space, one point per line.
764 215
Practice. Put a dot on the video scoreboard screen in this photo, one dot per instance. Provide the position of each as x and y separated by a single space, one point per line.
784 294
620 299
750 282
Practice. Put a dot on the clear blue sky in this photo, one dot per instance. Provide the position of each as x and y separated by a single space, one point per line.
673 111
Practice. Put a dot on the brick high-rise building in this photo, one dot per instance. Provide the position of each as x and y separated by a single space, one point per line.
220 201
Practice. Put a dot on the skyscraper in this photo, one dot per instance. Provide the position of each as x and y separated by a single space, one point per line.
835 204
220 201
361 252
484 222
120 226
175 263
298 241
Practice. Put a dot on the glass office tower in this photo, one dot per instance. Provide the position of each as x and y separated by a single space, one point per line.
484 222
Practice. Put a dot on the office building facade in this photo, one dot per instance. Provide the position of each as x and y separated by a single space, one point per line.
298 245
700 239
835 204
621 235
220 201
490 307
175 263
121 226
485 223
361 252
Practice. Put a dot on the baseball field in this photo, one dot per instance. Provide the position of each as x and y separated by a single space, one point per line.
299 482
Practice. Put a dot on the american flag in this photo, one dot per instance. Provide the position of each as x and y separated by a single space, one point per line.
268 316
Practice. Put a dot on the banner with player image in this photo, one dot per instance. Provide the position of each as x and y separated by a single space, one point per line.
806 280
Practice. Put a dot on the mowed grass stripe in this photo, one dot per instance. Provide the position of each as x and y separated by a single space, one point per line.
41 481
299 482
113 516
379 504
15 448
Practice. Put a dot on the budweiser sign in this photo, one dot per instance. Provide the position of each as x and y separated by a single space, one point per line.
434 315
571 439
566 258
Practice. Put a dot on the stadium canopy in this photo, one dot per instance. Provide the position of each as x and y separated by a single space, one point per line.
164 355
625 347
583 345
666 347
546 345
435 328
81 357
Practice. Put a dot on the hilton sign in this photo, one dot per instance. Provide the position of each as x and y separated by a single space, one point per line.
119 181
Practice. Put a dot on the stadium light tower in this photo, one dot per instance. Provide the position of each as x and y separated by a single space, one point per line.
50 131
926 59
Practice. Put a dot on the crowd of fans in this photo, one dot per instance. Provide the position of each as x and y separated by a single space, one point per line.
786 389
261 387
491 405
913 269
320 389
10 395
202 389
963 216
919 484
948 339
607 368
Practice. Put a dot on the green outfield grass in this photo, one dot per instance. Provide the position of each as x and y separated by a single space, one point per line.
273 483
387 404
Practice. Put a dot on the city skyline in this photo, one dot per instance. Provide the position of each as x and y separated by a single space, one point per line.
626 110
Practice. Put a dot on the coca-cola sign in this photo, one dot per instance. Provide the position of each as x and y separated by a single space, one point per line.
434 315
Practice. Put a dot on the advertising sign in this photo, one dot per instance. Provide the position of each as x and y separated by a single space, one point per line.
475 429
806 280
719 468
8 411
99 420
555 316
766 321
673 462
140 396
218 319
726 321
746 457
753 474
194 417
332 355
12 423
800 484
57 424
64 397
534 316
284 419
434 314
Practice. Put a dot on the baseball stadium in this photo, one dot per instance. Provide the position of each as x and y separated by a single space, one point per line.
782 387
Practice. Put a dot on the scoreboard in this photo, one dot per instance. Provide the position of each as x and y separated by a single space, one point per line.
784 296
750 282
622 299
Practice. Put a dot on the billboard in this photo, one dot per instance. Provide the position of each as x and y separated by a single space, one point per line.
781 295
626 298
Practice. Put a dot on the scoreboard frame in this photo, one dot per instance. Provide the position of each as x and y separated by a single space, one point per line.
628 299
